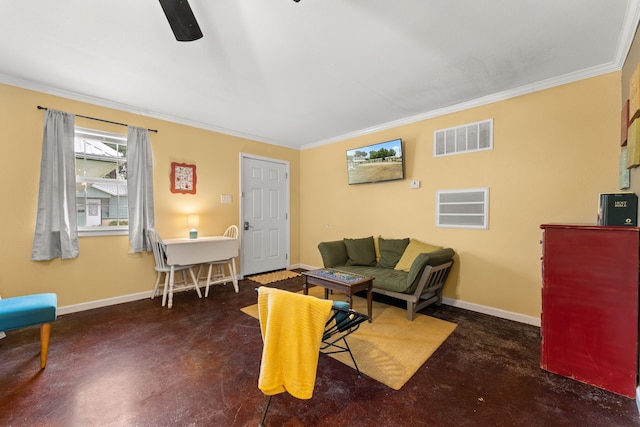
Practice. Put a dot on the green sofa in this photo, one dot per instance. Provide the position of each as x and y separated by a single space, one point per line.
405 269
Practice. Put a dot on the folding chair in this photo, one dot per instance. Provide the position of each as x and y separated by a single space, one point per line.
219 277
342 322
161 267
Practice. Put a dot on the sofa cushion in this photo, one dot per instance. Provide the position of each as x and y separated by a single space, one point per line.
390 251
361 251
384 278
333 253
414 248
376 245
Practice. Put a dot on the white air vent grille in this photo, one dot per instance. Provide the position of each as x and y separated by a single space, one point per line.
476 136
468 208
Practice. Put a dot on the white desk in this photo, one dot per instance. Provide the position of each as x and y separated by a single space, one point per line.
202 250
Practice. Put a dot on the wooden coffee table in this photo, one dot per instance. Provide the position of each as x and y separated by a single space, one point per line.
341 281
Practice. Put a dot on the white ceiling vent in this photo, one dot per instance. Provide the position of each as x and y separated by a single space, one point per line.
476 136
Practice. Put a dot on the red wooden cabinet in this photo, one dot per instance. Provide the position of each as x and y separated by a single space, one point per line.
590 304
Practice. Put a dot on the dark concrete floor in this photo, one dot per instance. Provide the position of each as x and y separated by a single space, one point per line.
138 364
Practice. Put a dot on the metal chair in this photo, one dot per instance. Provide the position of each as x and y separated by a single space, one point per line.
342 322
161 267
219 276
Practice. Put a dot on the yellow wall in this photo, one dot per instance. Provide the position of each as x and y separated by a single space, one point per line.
554 151
105 268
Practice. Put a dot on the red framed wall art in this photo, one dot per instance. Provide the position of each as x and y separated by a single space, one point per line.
183 178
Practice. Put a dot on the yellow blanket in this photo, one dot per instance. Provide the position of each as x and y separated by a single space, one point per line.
292 326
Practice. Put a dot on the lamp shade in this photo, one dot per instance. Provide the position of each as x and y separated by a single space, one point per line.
193 221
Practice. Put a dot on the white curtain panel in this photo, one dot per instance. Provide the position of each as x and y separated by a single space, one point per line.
56 233
139 188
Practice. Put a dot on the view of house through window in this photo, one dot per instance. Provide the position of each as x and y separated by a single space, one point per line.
101 180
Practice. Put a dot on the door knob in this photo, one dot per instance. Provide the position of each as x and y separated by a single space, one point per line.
246 225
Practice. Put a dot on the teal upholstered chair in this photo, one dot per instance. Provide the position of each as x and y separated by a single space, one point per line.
31 310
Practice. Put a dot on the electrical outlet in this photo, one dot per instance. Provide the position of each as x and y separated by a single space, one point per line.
414 184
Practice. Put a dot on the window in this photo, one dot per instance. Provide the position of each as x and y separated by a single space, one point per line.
468 208
463 139
101 182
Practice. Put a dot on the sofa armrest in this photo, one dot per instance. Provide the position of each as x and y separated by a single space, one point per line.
440 256
333 253
433 258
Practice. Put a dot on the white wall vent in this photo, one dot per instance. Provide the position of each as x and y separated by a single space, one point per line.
466 208
476 136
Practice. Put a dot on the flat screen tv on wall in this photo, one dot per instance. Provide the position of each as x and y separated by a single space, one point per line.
379 162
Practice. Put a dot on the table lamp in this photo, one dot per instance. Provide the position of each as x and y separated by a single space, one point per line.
193 221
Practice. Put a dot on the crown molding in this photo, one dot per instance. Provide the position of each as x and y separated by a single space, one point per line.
627 33
489 99
63 93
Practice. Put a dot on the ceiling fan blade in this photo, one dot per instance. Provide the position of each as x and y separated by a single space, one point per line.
181 19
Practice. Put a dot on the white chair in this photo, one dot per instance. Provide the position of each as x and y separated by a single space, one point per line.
159 255
219 276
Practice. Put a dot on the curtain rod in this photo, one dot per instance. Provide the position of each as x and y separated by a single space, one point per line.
99 120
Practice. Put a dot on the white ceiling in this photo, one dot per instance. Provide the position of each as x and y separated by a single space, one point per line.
308 73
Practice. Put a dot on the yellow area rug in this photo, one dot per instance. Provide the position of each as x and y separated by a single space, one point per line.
391 348
275 276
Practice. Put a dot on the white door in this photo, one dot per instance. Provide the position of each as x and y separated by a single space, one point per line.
94 214
265 214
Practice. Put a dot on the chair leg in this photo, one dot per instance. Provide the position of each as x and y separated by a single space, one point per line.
233 275
355 365
264 415
45 334
200 268
155 287
199 272
166 288
172 278
184 278
195 280
206 290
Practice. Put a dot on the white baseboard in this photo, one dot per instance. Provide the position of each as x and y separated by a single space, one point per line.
509 315
302 266
638 398
516 317
118 300
103 302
